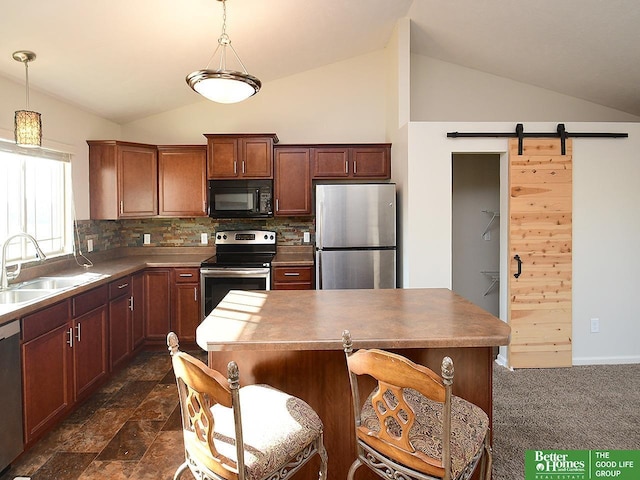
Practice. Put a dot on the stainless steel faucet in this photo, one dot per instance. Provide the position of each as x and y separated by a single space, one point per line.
4 275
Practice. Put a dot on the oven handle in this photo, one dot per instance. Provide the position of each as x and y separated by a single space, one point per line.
235 273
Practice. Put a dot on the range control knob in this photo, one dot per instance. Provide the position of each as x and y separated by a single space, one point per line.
224 236
271 237
266 236
218 236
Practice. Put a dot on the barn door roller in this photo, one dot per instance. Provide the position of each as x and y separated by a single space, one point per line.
560 133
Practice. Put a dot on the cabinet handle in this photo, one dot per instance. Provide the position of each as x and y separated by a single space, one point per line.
291 274
131 303
123 286
121 207
195 294
346 166
277 205
355 167
235 167
189 275
70 339
78 332
243 171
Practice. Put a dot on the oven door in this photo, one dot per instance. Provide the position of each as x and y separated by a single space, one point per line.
216 282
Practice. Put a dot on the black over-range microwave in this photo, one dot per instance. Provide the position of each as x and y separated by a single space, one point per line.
240 198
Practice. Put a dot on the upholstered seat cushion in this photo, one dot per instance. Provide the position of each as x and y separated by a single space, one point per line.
276 427
469 425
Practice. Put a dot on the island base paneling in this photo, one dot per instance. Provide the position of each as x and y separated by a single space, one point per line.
320 378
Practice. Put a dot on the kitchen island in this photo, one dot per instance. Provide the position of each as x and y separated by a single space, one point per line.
292 341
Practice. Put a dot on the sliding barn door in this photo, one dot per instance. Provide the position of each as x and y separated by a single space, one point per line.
540 210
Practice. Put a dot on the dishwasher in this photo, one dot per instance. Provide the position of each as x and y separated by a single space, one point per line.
11 438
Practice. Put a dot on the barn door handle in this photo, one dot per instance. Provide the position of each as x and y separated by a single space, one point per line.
517 259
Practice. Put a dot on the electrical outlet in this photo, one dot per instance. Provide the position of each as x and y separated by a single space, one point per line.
89 245
146 238
204 240
306 237
595 325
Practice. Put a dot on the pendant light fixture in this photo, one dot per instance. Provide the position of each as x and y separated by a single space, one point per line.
224 85
28 124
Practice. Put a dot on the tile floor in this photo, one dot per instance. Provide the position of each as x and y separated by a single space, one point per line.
130 428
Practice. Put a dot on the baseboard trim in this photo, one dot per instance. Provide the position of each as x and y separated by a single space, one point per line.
606 360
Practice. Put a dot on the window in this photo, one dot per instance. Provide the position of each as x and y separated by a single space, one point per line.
35 194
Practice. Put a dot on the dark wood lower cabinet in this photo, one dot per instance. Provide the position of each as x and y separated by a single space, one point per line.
157 302
46 380
69 348
120 344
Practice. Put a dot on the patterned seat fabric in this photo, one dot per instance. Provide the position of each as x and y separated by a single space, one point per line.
469 425
276 427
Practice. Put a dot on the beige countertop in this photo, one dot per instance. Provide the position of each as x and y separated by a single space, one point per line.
293 256
315 319
111 267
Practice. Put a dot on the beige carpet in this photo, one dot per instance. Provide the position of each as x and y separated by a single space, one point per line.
577 408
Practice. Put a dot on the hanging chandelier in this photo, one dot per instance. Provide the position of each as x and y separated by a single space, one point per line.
224 85
28 124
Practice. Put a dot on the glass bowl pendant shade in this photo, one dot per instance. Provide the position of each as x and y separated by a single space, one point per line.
224 85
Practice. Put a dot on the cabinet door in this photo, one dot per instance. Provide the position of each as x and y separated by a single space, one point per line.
222 157
371 162
157 304
186 315
137 310
46 380
119 322
89 351
256 157
137 181
330 162
182 181
292 183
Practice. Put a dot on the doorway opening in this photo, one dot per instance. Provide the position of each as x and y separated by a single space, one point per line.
476 228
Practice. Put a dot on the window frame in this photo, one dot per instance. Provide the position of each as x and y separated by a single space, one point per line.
56 236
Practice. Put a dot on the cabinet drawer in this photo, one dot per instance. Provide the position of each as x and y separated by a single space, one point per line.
120 287
292 274
45 320
85 302
187 275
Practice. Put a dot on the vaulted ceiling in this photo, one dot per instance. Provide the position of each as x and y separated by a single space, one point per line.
125 60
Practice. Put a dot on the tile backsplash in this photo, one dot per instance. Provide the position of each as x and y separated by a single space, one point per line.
172 232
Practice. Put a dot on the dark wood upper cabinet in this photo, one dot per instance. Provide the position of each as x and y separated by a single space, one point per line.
123 180
240 156
366 161
182 181
292 184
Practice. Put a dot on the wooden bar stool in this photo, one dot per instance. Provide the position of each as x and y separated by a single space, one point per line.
250 433
411 426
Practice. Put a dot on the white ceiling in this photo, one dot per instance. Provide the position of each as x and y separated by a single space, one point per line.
125 60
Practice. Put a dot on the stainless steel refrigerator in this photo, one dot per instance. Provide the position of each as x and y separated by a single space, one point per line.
356 236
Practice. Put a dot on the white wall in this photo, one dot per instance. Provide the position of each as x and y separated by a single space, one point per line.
606 225
64 127
443 92
342 102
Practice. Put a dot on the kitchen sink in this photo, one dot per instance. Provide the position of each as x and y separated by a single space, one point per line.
39 288
10 297
59 283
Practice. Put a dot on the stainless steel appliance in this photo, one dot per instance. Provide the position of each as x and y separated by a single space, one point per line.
11 397
242 262
356 236
241 198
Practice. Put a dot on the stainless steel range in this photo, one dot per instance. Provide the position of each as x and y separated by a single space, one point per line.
242 262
